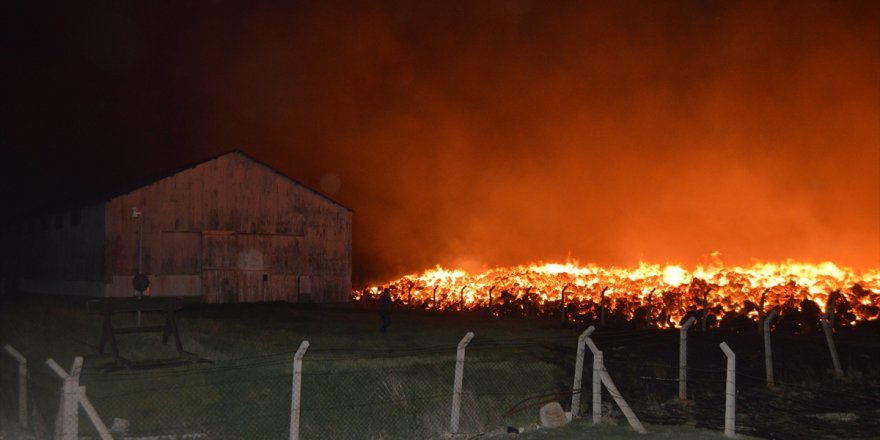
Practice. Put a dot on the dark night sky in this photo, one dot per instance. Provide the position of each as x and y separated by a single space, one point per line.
472 133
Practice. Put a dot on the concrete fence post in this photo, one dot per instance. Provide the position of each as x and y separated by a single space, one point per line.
730 393
597 380
598 359
621 403
761 310
705 321
601 377
72 397
296 388
828 326
67 420
562 303
768 351
459 378
579 372
682 358
22 384
87 406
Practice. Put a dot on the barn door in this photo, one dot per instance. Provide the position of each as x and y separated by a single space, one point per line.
219 272
254 262
253 285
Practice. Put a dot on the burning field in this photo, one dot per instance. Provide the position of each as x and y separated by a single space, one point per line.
648 295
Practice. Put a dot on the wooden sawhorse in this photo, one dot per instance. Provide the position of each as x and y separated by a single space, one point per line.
110 306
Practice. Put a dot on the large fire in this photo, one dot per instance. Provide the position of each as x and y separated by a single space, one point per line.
654 295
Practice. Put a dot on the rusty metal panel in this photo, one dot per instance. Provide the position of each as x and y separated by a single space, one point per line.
219 250
283 288
253 286
220 285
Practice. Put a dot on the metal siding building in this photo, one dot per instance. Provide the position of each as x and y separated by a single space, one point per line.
229 229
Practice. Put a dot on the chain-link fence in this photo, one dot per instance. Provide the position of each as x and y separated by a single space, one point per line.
377 395
247 398
405 393
38 402
506 382
345 394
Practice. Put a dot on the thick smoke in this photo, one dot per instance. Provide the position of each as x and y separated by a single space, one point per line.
487 133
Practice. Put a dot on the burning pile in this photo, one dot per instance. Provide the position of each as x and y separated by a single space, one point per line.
653 295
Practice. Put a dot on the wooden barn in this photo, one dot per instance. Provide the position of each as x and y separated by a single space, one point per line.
229 229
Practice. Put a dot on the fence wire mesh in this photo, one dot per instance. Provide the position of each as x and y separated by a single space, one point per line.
225 400
401 395
407 393
506 383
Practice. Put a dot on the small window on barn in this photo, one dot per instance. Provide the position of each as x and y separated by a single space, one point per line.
44 223
59 221
74 217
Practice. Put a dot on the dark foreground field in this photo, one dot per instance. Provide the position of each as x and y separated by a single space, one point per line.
360 383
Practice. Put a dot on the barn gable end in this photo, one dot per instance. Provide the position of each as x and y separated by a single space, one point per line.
229 229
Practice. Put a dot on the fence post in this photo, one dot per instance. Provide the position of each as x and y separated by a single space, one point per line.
600 376
72 397
705 323
621 403
598 359
459 377
682 358
768 352
597 381
295 390
828 326
67 421
730 392
22 384
579 372
93 415
761 309
562 300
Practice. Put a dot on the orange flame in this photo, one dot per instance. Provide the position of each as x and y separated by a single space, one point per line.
660 296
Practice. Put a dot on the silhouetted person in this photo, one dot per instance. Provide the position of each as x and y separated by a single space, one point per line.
385 309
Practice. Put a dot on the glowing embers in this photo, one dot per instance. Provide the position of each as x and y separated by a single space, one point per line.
654 295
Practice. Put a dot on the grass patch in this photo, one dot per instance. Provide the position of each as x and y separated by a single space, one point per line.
357 382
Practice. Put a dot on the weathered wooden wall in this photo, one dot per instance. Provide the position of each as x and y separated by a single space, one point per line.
240 229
